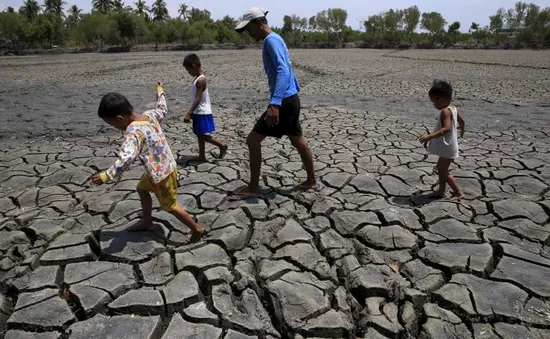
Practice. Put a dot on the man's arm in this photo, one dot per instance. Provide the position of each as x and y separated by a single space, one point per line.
277 54
126 156
201 86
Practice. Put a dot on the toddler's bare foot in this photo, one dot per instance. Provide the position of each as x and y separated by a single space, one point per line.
142 226
196 236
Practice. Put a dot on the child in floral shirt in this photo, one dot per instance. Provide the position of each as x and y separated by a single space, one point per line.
144 139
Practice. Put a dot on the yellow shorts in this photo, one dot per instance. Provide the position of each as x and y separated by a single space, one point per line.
166 191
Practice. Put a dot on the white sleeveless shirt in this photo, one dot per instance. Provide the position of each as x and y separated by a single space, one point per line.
204 107
445 146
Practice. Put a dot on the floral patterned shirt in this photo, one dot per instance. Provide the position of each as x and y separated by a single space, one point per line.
146 140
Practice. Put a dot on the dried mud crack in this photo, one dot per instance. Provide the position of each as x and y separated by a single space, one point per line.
366 257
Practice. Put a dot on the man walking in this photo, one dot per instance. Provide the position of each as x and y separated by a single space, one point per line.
283 113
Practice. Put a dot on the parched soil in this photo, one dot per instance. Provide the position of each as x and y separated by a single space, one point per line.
369 256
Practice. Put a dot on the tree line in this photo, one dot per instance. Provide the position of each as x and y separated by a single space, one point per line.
113 23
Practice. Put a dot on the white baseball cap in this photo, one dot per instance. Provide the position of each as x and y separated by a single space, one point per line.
251 14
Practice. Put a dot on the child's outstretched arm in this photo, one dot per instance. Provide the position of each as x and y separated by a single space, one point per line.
160 112
201 86
446 126
461 124
126 156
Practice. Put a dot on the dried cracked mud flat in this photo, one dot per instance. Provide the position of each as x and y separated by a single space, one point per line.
367 257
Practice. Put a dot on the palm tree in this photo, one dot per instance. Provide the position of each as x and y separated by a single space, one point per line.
142 9
55 7
10 9
75 13
30 9
159 10
103 6
183 11
118 5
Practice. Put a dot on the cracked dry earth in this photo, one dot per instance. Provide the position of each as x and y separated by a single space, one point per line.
367 257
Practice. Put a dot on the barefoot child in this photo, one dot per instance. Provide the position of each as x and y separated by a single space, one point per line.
201 110
144 139
443 142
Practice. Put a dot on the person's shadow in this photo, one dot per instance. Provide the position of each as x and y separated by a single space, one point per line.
123 244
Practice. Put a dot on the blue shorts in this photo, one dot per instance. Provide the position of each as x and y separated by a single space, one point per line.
203 124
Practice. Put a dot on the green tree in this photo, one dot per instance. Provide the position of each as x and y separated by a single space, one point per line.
14 27
496 23
30 9
454 30
120 6
75 14
127 27
393 23
287 25
183 11
312 24
54 7
196 15
474 30
158 32
95 28
332 22
142 10
159 11
10 9
434 23
102 6
411 16
374 25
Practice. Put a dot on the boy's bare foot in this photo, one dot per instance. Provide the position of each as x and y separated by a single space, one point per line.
142 226
196 236
223 152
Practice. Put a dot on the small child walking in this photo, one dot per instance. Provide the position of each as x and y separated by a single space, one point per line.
143 138
201 109
443 142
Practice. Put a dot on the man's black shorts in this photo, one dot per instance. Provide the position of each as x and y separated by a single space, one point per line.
289 120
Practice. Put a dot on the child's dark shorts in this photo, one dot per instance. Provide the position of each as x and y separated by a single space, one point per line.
289 120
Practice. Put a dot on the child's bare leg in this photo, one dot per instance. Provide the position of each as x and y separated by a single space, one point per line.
202 154
457 192
184 217
443 172
223 147
147 208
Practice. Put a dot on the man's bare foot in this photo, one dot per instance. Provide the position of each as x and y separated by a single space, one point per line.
457 196
306 185
142 226
196 236
244 193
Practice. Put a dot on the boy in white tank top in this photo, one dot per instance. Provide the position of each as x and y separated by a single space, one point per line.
443 142
201 109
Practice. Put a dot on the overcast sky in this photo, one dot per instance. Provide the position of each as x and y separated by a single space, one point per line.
464 11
